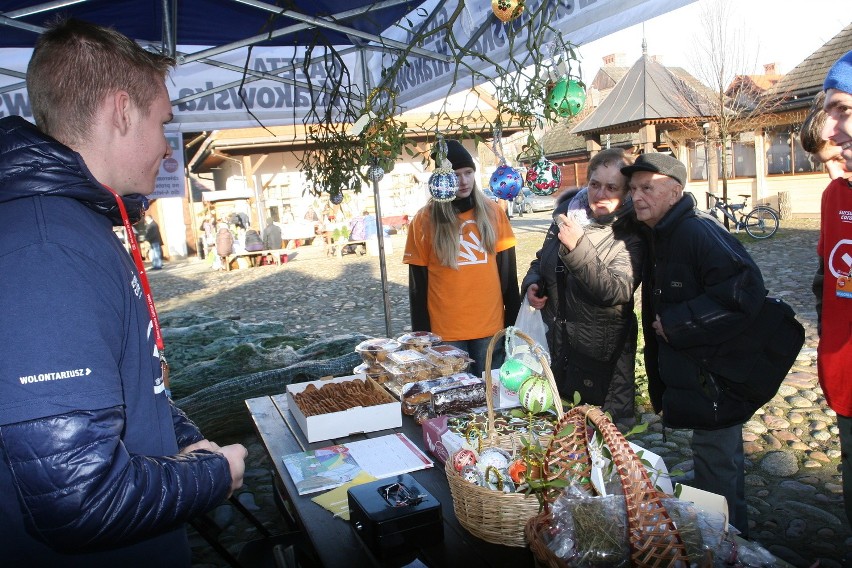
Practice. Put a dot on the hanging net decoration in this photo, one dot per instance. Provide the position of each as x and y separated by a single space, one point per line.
543 177
506 182
443 183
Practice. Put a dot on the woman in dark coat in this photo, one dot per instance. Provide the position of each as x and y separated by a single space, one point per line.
586 273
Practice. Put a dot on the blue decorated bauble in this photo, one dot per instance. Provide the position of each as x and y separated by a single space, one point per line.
513 373
567 97
443 184
506 182
337 198
543 177
375 173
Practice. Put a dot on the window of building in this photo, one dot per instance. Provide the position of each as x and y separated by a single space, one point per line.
740 156
785 155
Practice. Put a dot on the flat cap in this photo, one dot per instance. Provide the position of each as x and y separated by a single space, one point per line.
658 163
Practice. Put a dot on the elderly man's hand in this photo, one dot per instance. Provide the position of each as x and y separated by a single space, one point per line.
658 327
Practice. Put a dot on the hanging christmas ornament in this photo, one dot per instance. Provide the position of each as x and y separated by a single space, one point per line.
566 97
375 173
337 198
506 182
535 395
543 177
513 373
443 183
507 10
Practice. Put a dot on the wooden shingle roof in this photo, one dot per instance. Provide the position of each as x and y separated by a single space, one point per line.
806 78
648 92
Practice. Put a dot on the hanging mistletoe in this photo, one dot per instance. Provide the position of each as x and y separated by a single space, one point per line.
384 136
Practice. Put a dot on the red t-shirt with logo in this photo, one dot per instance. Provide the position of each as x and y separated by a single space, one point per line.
464 303
835 344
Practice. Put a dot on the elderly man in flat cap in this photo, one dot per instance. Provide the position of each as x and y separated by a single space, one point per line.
699 285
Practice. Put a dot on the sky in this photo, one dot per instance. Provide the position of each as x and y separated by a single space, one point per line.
780 31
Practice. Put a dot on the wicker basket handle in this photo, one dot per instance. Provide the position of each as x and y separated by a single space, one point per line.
536 350
652 533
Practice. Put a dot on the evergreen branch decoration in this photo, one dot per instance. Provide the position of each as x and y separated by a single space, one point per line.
336 158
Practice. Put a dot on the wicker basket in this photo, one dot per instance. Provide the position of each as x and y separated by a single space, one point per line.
511 441
654 540
491 515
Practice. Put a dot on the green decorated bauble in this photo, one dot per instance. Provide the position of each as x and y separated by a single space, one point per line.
535 395
567 97
513 373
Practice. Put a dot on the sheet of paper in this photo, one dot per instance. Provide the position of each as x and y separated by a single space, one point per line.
389 455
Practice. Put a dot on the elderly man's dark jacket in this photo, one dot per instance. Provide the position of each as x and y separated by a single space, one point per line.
706 289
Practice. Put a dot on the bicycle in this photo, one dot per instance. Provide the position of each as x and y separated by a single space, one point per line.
760 223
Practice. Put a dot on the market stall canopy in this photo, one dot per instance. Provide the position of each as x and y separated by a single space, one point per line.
247 63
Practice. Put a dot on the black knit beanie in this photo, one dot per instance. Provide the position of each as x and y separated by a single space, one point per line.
457 155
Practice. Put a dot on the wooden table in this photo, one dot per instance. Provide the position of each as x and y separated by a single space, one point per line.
333 539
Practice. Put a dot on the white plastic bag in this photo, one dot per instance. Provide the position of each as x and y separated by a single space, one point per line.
530 322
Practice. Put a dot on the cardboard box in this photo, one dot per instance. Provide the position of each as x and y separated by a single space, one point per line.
440 441
350 421
710 502
501 397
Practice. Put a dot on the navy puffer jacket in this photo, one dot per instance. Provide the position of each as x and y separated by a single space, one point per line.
90 469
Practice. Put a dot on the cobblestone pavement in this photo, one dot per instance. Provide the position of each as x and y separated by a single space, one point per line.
793 483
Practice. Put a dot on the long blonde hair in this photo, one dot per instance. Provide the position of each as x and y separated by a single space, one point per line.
445 224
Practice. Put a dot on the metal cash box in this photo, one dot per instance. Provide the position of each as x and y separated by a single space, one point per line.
395 515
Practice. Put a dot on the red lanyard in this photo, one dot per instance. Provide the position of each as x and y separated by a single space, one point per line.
146 287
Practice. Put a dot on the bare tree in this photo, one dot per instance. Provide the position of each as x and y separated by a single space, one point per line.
724 58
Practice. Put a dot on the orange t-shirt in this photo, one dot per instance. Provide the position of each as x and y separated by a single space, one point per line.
466 303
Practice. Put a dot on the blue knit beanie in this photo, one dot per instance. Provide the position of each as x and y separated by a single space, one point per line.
840 75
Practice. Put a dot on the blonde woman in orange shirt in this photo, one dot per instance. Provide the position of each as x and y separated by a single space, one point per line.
462 276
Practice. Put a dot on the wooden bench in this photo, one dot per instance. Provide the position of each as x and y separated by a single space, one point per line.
336 249
254 256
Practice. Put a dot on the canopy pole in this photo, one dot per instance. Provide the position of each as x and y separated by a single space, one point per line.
380 235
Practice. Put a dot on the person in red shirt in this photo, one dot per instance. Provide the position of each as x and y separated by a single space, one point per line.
462 276
832 284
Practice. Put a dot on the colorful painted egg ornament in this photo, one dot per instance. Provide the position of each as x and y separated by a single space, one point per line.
535 395
567 97
513 373
472 475
499 480
543 177
443 184
507 10
493 457
518 471
506 182
463 458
